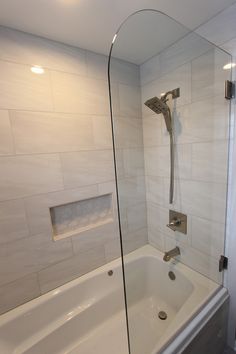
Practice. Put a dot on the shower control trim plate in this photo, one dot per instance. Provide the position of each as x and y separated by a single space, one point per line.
177 221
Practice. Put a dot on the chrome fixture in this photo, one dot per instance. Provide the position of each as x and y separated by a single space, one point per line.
162 315
171 254
177 221
171 275
159 105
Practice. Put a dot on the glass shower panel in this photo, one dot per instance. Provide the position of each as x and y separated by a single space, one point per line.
168 57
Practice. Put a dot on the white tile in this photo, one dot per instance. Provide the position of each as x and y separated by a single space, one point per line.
23 176
22 89
102 135
220 28
13 223
156 239
113 249
131 191
124 72
37 207
36 132
30 255
150 70
97 65
180 77
130 101
155 189
95 237
133 162
69 269
152 130
79 94
209 161
205 120
230 46
208 237
208 75
18 292
202 199
6 141
87 167
137 217
197 260
128 132
28 49
157 161
134 240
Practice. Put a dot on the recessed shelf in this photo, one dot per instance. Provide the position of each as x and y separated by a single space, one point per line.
73 218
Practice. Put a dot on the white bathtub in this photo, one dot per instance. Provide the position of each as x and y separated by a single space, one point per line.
87 315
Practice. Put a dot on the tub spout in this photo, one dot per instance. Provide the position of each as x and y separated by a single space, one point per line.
171 254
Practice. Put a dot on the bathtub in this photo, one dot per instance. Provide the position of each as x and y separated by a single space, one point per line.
87 315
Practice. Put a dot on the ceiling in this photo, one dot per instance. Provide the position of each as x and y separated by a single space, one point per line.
91 24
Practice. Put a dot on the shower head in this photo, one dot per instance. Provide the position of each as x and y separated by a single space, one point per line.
159 106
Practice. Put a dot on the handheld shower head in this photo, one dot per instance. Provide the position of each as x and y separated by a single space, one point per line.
159 106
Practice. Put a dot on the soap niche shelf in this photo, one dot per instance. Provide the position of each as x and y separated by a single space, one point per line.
73 218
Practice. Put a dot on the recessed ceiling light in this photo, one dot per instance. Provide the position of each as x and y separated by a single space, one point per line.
37 69
229 66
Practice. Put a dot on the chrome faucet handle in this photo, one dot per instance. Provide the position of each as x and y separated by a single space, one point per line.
174 222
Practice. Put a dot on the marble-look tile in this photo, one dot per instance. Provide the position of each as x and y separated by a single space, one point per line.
69 269
79 94
155 189
97 65
96 237
133 240
208 237
113 249
152 130
205 120
36 132
30 255
102 135
157 161
25 48
37 207
131 191
196 260
18 292
156 239
13 223
128 132
87 167
23 176
198 198
137 217
6 141
209 161
133 160
124 72
130 101
220 28
180 77
22 89
150 70
208 75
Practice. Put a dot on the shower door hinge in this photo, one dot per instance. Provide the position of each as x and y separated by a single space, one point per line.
229 89
223 263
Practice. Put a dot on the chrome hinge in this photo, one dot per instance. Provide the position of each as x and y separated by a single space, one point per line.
229 89
223 263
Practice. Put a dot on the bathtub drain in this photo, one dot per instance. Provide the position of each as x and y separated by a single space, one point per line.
162 315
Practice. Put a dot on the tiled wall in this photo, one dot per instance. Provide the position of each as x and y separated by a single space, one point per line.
55 147
201 124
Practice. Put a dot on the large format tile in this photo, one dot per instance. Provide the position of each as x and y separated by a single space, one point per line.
87 167
13 223
30 255
79 94
25 48
208 237
18 292
137 217
102 135
124 72
23 176
209 161
131 191
128 132
36 132
133 160
152 130
130 101
38 207
60 273
6 141
22 89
